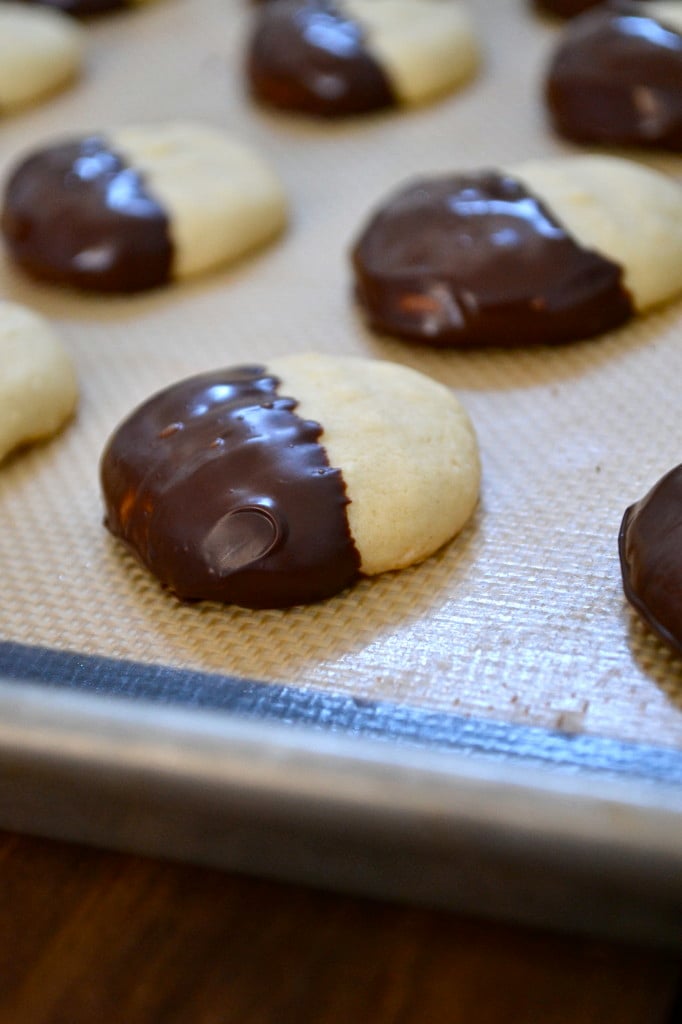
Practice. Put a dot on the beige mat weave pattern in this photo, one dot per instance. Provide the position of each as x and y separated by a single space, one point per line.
523 618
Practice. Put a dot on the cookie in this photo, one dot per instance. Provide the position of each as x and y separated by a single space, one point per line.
138 207
616 77
546 252
84 8
565 8
38 389
40 52
650 547
281 485
333 58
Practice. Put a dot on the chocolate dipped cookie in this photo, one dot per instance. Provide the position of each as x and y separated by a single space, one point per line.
615 77
270 486
85 8
565 8
139 207
650 546
335 58
546 252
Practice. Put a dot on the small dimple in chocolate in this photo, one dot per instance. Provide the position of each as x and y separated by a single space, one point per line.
75 214
311 57
616 78
476 259
650 546
225 493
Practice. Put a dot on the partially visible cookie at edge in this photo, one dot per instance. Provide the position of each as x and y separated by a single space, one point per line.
543 252
137 207
334 58
41 52
650 548
615 77
564 8
270 486
38 386
86 8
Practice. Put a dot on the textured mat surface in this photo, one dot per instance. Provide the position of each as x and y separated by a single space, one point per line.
522 619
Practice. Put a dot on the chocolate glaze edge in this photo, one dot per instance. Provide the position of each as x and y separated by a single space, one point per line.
634 572
595 80
414 280
224 493
84 8
289 70
76 214
638 605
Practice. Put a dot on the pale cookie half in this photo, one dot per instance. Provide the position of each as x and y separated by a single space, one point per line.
270 486
668 12
623 210
545 252
41 51
38 388
137 207
341 57
426 49
404 444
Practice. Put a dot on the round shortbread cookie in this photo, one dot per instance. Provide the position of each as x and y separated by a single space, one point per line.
38 388
545 252
84 8
616 76
40 52
281 485
137 207
340 57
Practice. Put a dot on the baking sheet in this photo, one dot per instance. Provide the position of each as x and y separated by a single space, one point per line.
513 644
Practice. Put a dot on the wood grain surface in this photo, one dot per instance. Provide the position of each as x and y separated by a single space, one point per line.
90 936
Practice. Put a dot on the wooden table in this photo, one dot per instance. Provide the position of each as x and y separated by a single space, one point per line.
88 937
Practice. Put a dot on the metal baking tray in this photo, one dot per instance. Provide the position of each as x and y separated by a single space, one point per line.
492 731
364 796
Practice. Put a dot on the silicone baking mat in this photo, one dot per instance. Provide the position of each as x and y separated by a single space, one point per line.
521 621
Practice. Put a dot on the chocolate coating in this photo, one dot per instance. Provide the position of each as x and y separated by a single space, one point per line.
81 7
565 8
616 78
650 546
75 214
310 57
475 259
226 494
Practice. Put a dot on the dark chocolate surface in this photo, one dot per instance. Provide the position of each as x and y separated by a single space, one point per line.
307 55
616 78
81 7
75 214
565 8
474 259
650 545
226 494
